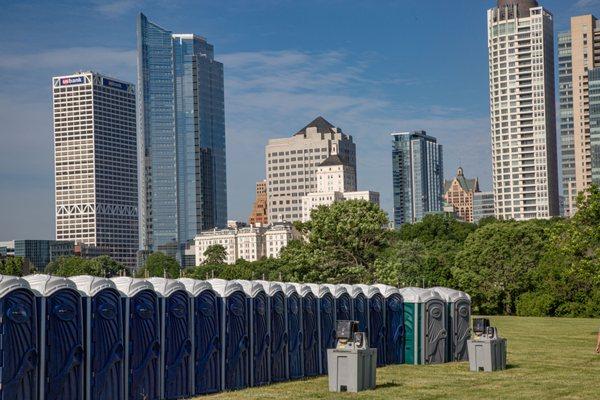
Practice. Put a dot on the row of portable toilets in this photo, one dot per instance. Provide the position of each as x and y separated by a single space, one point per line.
124 338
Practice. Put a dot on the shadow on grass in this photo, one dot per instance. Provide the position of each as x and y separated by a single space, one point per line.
512 366
388 385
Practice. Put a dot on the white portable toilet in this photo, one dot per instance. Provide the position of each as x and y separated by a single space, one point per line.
459 318
103 336
61 337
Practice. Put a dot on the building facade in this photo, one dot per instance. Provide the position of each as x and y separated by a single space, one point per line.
278 236
259 213
36 253
76 249
522 110
181 134
95 163
418 176
459 192
483 206
579 93
291 166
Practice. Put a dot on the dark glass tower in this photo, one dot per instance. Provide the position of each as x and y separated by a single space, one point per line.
181 131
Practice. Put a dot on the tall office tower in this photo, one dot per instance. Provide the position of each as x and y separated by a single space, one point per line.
579 84
522 110
291 166
418 172
95 152
181 135
459 193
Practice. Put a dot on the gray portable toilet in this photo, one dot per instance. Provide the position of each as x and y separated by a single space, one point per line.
327 319
142 333
176 334
459 318
235 344
425 326
277 323
61 337
103 338
19 342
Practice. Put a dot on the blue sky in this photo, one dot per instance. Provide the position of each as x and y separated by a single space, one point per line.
368 67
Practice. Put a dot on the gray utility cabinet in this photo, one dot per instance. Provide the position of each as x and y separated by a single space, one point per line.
351 370
487 355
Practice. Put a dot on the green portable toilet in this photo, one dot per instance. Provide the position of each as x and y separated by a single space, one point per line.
458 305
425 324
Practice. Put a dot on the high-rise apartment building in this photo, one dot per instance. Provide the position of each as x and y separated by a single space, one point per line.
95 159
418 173
522 110
459 193
181 134
291 166
483 206
259 208
579 92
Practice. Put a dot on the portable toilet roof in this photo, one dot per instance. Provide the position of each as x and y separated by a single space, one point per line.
301 288
318 290
353 290
194 287
451 295
131 286
419 295
224 288
9 283
288 288
270 287
336 290
91 285
166 287
251 288
46 285
387 290
368 290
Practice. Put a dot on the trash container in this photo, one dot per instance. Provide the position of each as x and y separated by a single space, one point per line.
487 352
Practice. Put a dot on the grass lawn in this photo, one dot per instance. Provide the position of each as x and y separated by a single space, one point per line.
548 358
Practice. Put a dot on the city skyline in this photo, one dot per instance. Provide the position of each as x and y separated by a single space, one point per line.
428 96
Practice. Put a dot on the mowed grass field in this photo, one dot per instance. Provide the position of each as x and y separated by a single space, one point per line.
548 358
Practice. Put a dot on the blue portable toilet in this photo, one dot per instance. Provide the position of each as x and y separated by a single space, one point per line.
376 332
343 302
260 342
311 340
141 323
176 327
294 330
458 305
360 312
327 314
19 345
61 337
278 362
394 324
207 336
103 338
235 343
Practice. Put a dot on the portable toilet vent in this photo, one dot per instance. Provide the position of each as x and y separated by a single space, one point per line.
326 309
343 302
311 340
458 306
394 324
104 339
19 346
176 334
277 318
236 340
294 331
142 338
376 331
61 337
425 326
258 314
207 336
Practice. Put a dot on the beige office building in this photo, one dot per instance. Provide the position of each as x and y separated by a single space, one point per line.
522 110
291 166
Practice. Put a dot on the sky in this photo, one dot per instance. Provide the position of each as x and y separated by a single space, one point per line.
368 67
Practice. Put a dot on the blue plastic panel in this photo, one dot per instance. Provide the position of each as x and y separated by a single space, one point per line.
377 327
262 340
327 328
361 313
279 338
344 307
395 329
295 336
178 346
310 329
236 342
208 343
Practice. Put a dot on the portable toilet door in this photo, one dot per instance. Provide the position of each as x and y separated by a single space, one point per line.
61 338
103 335
19 345
175 311
458 308
394 324
278 362
235 340
295 333
311 342
377 324
260 341
435 327
360 307
142 338
207 337
327 319
413 336
343 302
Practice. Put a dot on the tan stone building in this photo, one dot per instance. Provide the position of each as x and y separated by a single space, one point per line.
259 209
458 192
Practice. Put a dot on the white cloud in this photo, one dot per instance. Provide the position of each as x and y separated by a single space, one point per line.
586 3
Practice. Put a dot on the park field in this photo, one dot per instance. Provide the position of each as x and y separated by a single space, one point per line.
548 358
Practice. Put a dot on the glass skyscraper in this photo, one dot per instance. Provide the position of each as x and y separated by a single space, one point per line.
418 174
181 132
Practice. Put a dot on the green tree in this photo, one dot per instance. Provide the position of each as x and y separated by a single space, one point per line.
215 254
436 227
14 266
102 266
159 264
